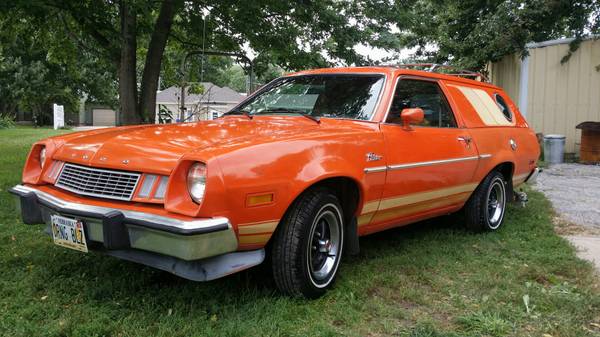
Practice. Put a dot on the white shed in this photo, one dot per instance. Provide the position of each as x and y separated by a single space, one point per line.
554 95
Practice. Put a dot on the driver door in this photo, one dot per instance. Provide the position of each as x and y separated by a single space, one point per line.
430 165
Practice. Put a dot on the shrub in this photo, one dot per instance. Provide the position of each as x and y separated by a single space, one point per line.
6 122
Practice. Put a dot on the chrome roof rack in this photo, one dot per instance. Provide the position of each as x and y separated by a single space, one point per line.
444 69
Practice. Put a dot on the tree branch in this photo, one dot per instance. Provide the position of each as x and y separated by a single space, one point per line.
90 25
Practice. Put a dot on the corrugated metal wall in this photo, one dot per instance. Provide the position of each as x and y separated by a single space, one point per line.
559 96
506 74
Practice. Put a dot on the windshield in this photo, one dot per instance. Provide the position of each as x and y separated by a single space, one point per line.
334 96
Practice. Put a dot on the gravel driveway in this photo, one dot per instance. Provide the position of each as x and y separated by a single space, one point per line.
574 191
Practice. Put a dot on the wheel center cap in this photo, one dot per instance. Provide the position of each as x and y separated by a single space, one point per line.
324 246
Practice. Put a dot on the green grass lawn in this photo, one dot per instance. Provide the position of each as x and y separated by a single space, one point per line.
428 279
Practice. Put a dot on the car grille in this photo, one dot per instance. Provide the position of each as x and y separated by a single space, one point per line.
95 182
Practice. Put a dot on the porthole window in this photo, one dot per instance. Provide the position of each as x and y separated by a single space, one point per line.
503 107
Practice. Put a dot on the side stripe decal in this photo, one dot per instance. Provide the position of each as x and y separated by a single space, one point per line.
256 233
424 163
384 209
424 196
257 227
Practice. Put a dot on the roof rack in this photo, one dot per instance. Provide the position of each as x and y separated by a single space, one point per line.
444 69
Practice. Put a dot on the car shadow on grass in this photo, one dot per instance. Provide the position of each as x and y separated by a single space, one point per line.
105 278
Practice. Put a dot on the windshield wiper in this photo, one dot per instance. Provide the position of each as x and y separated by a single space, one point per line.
239 112
294 111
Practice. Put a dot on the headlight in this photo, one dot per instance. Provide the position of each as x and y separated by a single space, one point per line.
42 157
196 181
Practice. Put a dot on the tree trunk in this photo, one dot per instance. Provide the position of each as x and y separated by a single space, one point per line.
127 64
156 48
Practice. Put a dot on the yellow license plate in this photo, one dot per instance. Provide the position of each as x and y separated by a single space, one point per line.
67 232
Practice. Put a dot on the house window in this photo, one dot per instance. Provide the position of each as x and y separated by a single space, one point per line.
426 95
215 115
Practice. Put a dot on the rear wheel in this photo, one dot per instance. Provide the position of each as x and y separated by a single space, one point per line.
307 247
485 209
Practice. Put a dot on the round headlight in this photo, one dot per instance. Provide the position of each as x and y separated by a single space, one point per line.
42 157
196 181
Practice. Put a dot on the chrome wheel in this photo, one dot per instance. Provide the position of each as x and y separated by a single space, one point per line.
496 202
325 245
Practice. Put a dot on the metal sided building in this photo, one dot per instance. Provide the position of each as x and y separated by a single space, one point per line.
554 96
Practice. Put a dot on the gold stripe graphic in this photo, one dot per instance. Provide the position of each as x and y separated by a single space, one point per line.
258 227
485 106
365 219
370 206
253 239
420 207
425 196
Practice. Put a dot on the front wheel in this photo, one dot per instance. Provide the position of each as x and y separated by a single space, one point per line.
307 247
485 209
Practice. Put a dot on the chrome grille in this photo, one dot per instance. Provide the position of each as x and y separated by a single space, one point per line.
96 182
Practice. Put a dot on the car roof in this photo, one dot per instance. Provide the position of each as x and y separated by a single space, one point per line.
393 70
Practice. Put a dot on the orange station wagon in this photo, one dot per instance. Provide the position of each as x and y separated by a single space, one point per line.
295 174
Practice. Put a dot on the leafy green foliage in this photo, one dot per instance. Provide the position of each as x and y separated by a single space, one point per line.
40 66
131 36
57 51
6 121
196 88
471 33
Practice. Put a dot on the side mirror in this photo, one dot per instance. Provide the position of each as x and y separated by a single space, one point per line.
411 116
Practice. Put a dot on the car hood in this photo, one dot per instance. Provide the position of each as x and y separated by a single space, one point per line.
157 148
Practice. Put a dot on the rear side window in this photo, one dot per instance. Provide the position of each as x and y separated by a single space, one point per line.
426 95
503 107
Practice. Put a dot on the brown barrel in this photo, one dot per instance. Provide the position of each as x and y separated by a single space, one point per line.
590 146
589 152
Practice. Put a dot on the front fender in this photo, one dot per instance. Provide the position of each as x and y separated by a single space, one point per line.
279 172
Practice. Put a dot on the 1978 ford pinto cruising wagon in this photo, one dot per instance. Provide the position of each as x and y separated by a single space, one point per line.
294 174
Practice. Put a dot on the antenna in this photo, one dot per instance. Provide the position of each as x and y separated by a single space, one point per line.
203 45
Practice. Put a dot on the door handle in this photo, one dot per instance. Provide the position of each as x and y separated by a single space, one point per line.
466 139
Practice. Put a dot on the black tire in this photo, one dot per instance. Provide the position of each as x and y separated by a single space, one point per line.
295 262
485 209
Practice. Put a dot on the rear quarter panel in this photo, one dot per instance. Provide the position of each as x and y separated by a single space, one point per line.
495 140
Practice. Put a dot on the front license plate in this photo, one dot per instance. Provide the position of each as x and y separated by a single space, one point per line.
68 233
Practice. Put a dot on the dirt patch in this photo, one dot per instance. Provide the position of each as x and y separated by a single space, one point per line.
565 228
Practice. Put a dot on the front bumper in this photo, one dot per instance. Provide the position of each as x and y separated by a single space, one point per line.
200 249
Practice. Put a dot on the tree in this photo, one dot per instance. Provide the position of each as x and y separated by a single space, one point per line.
38 67
99 19
130 38
473 32
293 35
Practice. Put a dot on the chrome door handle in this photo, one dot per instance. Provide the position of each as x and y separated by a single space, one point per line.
465 139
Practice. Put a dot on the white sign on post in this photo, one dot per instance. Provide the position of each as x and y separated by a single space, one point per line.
59 116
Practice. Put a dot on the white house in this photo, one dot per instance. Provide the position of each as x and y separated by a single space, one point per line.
212 103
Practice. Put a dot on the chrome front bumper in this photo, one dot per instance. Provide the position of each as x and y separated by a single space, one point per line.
180 247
